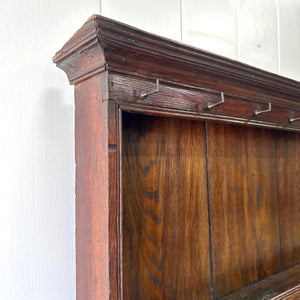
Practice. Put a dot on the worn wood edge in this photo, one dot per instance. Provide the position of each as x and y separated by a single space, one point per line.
126 91
82 36
84 46
144 109
115 200
120 195
202 88
110 34
92 190
98 128
279 286
288 293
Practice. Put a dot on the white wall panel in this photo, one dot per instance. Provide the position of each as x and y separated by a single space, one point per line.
289 38
37 216
210 25
160 17
258 34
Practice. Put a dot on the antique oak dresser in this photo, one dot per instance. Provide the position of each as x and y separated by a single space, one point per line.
187 170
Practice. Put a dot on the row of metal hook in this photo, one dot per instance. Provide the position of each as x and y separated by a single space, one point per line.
212 105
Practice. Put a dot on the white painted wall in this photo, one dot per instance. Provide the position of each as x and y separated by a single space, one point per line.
37 247
262 33
37 244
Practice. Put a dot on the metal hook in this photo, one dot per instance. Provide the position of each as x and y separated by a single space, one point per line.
144 95
210 106
293 119
258 112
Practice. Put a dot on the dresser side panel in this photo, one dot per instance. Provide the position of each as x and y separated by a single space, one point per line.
92 190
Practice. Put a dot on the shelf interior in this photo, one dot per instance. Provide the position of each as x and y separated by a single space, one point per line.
208 209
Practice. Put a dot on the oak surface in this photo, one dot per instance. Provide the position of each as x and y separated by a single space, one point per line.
92 205
165 214
284 285
288 169
244 206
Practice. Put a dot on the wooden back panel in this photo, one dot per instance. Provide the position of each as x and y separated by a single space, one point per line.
244 205
200 194
288 168
165 213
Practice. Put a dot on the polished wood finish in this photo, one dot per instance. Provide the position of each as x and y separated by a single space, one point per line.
92 207
195 77
97 191
165 219
281 286
288 168
244 206
203 204
175 99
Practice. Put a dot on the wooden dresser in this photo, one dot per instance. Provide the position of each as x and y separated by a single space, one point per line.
187 170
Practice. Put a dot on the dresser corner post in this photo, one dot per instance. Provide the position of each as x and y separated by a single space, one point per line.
97 156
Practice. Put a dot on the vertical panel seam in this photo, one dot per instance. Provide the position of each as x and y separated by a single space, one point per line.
209 212
120 198
278 204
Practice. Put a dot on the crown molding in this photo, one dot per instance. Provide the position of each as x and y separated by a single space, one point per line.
104 44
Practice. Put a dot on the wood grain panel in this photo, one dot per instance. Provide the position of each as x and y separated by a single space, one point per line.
244 206
283 285
288 164
179 100
92 191
165 214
